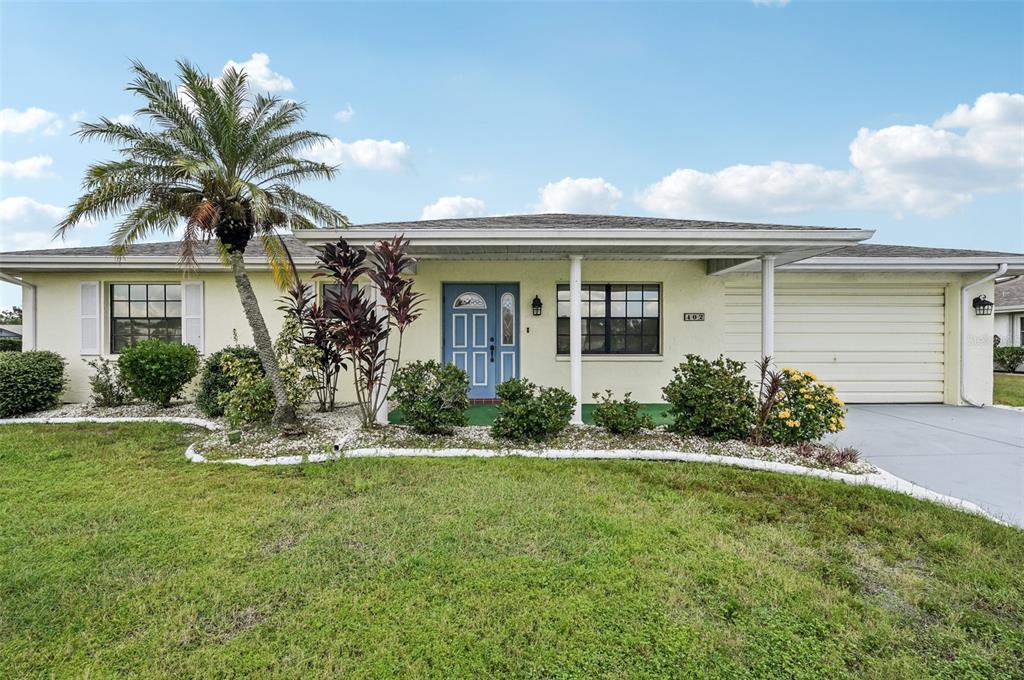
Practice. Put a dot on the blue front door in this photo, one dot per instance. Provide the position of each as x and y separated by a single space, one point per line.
481 333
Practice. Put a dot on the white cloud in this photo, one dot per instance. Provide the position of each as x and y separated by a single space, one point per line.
78 116
33 240
257 67
742 190
345 115
20 122
925 169
934 169
771 3
377 154
124 119
578 195
25 211
27 168
450 207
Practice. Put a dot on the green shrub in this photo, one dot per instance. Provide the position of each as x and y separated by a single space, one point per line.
620 417
157 371
10 344
214 381
432 396
531 413
1008 358
805 410
251 400
29 381
710 398
107 387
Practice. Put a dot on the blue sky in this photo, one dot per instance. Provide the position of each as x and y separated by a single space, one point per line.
905 118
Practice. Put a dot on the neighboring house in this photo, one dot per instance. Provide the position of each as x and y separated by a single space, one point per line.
10 331
503 295
1009 312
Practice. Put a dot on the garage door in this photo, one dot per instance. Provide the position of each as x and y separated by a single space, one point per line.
875 342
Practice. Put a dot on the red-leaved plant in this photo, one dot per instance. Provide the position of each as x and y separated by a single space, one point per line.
315 330
361 327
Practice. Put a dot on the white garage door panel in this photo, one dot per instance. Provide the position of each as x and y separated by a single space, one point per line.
875 342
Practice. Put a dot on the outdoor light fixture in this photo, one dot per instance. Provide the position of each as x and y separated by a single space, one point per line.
538 306
982 307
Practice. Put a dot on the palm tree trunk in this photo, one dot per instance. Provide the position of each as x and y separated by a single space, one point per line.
284 412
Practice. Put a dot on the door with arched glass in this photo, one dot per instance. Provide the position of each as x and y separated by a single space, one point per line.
481 333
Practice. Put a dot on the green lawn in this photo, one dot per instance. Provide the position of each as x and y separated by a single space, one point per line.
119 558
483 414
1008 389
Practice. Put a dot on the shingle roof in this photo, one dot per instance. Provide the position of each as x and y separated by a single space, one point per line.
573 221
161 249
1010 294
880 250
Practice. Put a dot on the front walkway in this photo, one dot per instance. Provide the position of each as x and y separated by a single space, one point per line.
970 453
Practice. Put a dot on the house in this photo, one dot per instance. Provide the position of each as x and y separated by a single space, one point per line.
587 302
8 330
1009 312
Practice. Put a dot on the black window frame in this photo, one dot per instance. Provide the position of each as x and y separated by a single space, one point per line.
611 334
166 334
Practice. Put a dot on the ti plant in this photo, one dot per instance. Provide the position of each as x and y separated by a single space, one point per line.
768 396
314 324
368 331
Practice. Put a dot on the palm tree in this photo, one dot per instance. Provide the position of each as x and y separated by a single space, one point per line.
220 160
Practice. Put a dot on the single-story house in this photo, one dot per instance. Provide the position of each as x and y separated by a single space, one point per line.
10 330
1009 312
586 302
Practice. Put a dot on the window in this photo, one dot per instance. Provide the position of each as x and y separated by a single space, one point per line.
508 319
330 291
469 301
618 318
1021 320
141 311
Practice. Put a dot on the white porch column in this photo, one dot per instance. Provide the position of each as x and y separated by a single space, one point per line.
383 411
576 335
768 306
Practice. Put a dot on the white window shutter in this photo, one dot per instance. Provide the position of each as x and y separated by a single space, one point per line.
89 318
192 331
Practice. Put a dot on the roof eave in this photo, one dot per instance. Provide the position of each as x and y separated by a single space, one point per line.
939 264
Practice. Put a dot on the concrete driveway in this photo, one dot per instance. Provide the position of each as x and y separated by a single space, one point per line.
972 453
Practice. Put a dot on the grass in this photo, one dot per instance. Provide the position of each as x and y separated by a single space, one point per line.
1008 389
484 414
119 558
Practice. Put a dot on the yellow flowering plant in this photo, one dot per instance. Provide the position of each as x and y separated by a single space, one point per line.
804 409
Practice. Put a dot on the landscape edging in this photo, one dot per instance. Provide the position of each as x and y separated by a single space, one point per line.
880 479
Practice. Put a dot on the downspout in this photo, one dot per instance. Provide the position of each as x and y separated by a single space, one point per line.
964 295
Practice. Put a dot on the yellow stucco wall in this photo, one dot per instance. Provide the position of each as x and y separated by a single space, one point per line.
685 288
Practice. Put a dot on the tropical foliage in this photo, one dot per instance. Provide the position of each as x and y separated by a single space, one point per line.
215 381
108 389
433 397
711 398
531 413
157 371
368 331
219 161
30 381
805 410
620 416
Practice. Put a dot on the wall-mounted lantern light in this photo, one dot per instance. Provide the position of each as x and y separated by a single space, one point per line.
538 306
982 306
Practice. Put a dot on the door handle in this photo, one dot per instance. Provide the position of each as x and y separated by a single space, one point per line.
492 352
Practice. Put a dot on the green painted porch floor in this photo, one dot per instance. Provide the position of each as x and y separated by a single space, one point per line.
483 414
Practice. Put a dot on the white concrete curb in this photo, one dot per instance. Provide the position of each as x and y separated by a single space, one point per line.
1018 409
64 420
880 479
